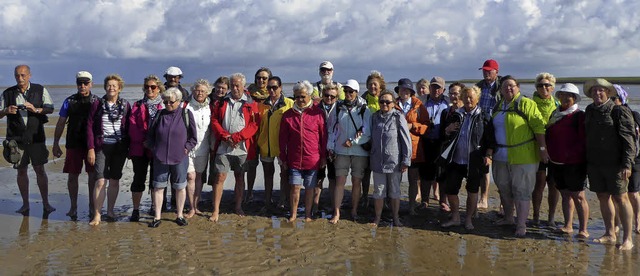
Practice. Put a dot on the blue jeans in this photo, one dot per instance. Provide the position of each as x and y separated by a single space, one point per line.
308 178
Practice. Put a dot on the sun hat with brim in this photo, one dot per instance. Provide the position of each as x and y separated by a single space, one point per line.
599 82
404 83
570 88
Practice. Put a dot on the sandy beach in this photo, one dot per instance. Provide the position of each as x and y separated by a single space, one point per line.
265 243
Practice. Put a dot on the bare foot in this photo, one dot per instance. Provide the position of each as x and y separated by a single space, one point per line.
334 219
354 215
292 218
637 230
552 224
482 204
213 217
627 245
521 231
239 212
23 209
397 222
565 230
308 219
191 213
72 213
444 207
582 235
375 222
450 223
48 208
605 240
468 225
96 220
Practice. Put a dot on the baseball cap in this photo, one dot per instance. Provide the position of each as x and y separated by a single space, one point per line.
353 84
437 80
84 76
489 65
328 65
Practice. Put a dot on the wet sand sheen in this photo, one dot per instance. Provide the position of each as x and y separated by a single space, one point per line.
266 244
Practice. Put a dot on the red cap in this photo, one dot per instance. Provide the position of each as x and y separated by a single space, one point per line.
489 65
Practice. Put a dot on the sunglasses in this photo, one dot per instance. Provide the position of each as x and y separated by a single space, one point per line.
272 87
545 85
169 102
325 70
85 83
385 102
153 87
349 90
329 96
299 97
262 78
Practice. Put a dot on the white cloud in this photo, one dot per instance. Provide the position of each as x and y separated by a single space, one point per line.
412 38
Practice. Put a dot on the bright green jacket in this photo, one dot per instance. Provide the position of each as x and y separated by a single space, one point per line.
372 102
520 132
545 106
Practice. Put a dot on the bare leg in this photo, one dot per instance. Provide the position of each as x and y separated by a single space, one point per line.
43 186
294 199
114 187
309 196
218 188
522 210
425 191
536 197
91 184
455 211
484 192
191 190
159 198
567 211
507 204
472 207
284 186
251 180
317 192
99 195
634 198
23 186
395 209
626 218
414 184
332 189
268 168
198 193
181 197
365 183
239 190
582 207
552 200
378 203
355 196
72 185
608 213
337 199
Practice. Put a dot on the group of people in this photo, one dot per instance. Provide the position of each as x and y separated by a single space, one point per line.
330 130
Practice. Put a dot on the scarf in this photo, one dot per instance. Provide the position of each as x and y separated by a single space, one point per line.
557 114
152 105
301 109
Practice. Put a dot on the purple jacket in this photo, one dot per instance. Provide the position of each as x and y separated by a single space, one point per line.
169 137
95 133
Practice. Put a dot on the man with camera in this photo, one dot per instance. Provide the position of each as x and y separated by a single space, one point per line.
26 105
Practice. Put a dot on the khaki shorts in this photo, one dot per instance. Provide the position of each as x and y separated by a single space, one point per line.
515 182
225 163
198 164
386 181
357 164
36 154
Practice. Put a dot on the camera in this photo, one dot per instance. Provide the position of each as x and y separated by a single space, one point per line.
22 107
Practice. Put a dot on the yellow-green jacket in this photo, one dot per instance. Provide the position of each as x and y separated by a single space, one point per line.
270 125
545 106
521 145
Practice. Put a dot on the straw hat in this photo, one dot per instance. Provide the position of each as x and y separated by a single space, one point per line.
599 82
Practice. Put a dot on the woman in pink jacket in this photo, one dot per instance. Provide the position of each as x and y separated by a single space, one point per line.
302 146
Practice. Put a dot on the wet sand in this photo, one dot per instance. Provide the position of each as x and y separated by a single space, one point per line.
267 244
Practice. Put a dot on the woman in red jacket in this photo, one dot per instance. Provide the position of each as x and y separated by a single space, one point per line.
302 146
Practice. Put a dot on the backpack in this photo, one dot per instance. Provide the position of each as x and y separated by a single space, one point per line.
185 117
361 113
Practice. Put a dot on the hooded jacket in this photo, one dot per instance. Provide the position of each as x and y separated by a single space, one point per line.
341 128
303 138
391 142
270 125
418 117
246 135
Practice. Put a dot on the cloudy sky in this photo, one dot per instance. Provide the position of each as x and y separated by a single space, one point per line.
400 38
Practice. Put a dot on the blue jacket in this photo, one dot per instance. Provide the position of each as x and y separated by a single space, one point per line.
391 142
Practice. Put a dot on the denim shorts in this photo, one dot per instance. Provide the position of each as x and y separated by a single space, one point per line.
308 178
177 174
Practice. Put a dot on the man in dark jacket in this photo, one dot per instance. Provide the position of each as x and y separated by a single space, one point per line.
26 105
75 112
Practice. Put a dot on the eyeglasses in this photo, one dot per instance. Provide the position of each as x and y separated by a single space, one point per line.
262 78
329 96
169 102
299 97
272 87
325 70
349 90
85 83
385 102
153 87
545 85
199 91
